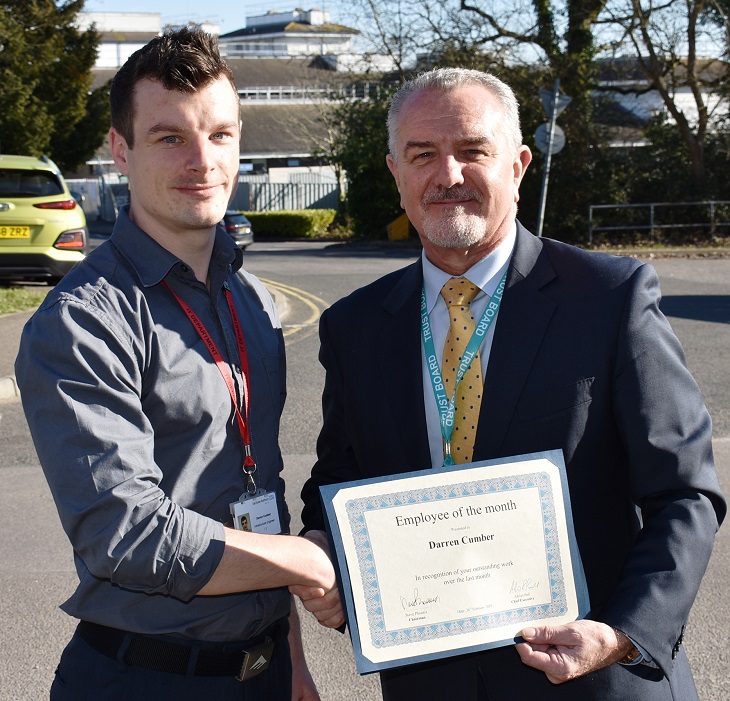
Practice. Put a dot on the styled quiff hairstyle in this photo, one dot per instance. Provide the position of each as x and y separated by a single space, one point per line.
184 60
447 79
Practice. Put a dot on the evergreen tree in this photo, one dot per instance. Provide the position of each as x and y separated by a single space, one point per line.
46 75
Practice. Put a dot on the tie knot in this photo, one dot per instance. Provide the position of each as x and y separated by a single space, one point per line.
459 291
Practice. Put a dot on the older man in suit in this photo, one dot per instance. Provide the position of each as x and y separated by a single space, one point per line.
578 357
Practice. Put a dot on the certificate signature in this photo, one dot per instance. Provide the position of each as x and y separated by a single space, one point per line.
416 601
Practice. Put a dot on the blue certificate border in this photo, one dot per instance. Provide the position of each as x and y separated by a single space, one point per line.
382 638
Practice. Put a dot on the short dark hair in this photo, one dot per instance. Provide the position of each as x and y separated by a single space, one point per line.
184 60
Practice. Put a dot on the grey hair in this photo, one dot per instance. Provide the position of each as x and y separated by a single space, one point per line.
446 79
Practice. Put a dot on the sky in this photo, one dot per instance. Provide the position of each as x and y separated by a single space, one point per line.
228 14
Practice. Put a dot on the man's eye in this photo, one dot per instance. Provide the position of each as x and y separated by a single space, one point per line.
171 139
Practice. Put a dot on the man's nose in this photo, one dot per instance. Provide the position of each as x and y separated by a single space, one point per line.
200 154
450 172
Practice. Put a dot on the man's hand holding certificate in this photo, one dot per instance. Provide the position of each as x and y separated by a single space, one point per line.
448 561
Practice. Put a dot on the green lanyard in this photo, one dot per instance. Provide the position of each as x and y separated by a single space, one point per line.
446 406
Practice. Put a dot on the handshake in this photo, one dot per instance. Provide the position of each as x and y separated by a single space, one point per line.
324 600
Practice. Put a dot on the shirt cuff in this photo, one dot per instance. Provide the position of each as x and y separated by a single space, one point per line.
643 658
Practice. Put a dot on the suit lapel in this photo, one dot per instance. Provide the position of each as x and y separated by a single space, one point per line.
523 318
399 357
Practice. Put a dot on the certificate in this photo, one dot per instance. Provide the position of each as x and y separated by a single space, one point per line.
453 560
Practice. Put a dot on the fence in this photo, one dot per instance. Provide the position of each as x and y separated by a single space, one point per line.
102 199
273 197
708 216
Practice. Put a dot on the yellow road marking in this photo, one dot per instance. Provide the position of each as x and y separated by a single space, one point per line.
316 304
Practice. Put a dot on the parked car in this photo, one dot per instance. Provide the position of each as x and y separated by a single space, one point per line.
238 228
43 231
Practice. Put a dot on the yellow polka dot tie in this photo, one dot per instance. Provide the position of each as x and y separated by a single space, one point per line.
458 292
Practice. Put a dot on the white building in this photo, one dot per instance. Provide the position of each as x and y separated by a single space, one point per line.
300 34
122 33
287 67
288 34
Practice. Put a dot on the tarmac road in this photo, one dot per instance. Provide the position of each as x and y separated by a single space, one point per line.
36 573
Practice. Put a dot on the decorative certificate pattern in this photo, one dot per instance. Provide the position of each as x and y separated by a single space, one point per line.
443 562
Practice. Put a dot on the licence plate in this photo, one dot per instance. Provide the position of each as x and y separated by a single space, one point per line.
14 232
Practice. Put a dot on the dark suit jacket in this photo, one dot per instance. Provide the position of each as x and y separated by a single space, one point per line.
582 360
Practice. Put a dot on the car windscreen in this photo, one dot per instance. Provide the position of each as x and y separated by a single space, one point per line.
28 183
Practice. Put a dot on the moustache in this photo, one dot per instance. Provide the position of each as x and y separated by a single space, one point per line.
451 193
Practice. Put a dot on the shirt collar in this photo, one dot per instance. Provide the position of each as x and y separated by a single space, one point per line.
152 262
485 273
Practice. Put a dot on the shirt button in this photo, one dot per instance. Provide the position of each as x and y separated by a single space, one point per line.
184 268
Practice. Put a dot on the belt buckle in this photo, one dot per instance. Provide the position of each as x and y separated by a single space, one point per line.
256 660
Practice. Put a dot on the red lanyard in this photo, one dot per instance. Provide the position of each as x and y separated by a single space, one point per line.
249 466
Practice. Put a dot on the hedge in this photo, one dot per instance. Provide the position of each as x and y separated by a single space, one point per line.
296 223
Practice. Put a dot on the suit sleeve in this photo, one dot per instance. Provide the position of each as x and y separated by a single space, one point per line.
336 461
667 433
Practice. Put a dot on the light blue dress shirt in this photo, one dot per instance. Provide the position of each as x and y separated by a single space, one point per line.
486 274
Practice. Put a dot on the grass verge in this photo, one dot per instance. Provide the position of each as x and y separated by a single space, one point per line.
20 299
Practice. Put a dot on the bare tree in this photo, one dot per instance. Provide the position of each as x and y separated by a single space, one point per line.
677 45
534 42
392 28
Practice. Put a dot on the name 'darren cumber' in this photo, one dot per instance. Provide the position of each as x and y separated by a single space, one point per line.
464 540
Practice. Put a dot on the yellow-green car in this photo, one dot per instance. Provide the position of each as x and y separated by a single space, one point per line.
43 230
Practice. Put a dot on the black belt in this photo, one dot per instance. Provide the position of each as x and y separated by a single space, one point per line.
243 660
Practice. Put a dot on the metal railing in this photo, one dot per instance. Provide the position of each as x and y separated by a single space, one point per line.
709 215
271 93
311 93
273 197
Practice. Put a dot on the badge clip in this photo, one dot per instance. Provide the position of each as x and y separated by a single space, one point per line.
249 467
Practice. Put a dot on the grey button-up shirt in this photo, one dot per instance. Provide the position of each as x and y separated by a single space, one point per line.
135 431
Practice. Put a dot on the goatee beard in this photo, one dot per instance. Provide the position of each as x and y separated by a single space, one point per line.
457 230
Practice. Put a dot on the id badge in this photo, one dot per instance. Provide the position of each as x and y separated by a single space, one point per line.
258 513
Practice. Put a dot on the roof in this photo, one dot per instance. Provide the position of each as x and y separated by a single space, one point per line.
271 130
627 69
123 37
611 113
249 72
264 72
289 28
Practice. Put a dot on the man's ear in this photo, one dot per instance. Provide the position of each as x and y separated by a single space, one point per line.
119 148
522 160
393 168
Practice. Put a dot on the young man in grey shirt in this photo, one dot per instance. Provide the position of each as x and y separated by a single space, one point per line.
153 380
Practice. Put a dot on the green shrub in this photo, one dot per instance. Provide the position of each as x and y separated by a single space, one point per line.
299 223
